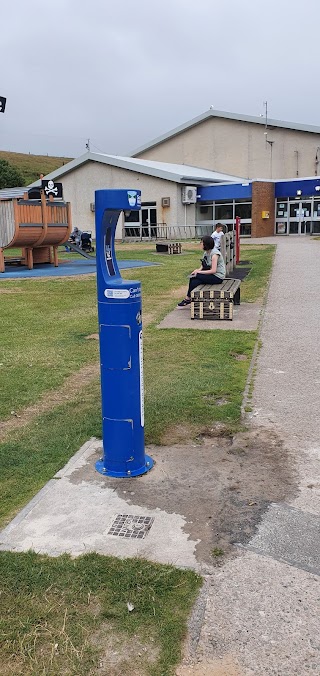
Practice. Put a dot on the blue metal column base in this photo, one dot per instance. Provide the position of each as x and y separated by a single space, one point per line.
137 472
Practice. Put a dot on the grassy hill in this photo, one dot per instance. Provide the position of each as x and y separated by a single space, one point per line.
31 166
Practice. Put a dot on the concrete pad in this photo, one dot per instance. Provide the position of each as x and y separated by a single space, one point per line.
246 318
290 535
75 517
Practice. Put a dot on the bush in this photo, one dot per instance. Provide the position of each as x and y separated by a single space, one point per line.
10 177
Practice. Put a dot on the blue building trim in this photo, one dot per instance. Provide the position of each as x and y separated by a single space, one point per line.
224 191
290 188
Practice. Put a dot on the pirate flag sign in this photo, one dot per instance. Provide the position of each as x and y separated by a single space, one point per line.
51 188
3 102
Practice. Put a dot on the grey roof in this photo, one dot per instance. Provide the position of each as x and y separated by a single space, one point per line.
11 193
227 116
179 173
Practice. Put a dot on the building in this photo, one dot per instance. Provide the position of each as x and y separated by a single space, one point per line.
164 212
240 145
285 207
181 200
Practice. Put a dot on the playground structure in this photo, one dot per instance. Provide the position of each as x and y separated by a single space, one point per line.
38 226
228 250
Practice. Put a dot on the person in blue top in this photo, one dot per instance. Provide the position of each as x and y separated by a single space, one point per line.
212 271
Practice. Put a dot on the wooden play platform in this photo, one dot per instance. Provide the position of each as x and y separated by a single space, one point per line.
38 226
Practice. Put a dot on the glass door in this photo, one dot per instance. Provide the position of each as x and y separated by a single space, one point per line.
149 222
300 216
305 218
316 217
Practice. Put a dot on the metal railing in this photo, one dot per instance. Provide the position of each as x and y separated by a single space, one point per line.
162 231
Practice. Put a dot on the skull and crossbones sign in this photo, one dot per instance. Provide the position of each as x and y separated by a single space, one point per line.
50 189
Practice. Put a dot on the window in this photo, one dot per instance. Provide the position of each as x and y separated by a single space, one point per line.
223 212
141 224
282 208
131 217
243 210
245 229
316 209
281 228
204 212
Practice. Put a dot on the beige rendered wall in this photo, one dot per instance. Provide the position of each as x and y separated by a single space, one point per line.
80 184
239 148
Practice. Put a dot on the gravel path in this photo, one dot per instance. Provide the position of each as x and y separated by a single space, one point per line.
263 607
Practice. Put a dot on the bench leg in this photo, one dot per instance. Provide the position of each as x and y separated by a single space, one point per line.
236 298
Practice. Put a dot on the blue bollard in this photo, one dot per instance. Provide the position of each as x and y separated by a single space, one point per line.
121 348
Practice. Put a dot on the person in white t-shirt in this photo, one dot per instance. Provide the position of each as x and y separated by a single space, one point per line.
217 235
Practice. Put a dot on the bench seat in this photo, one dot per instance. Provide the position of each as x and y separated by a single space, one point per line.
215 301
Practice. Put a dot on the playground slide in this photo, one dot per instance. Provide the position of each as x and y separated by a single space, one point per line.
77 249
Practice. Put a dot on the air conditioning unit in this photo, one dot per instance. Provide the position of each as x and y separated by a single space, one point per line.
165 201
189 194
92 206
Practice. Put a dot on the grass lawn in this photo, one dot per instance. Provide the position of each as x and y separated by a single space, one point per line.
62 614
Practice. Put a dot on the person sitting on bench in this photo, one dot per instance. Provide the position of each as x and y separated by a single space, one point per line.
212 271
76 236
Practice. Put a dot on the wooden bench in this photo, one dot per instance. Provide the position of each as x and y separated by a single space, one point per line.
215 301
174 248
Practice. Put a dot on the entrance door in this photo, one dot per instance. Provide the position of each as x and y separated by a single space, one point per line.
149 222
300 218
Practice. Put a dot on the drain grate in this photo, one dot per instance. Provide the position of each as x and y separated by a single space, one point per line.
130 526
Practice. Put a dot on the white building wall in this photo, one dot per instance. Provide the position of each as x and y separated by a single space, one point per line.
239 148
80 184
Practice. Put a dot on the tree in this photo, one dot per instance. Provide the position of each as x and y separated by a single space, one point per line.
10 177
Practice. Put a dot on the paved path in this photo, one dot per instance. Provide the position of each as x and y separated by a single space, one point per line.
262 615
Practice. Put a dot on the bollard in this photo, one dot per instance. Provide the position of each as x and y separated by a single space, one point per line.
121 347
238 220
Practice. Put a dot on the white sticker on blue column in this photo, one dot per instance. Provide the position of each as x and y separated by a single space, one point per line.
141 379
117 293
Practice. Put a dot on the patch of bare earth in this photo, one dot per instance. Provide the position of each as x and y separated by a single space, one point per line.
72 385
4 291
123 654
181 291
176 434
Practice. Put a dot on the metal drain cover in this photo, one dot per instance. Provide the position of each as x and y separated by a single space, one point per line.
130 526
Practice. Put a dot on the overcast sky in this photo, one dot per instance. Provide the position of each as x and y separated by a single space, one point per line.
122 72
